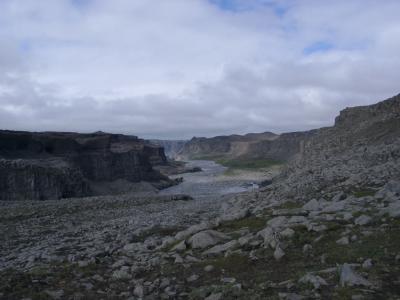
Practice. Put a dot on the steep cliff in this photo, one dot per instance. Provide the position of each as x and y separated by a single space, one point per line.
361 149
53 165
223 146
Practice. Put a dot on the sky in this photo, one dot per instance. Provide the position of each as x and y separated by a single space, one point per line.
173 69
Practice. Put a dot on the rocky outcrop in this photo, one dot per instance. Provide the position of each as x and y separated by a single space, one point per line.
54 165
283 148
222 146
361 149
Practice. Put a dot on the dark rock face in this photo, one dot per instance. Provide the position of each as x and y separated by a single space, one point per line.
40 179
58 165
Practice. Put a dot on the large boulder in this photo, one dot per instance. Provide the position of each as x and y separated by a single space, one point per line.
206 239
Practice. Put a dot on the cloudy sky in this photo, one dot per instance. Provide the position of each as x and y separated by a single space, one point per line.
183 68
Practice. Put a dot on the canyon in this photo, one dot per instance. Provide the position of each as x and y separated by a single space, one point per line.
324 225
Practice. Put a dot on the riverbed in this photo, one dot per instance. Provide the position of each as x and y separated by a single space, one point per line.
211 181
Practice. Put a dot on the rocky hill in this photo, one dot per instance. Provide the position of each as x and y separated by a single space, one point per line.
53 165
223 146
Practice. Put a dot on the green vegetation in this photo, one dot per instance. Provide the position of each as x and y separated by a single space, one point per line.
248 164
290 205
252 223
364 192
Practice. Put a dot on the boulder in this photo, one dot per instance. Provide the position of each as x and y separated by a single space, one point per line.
206 239
350 278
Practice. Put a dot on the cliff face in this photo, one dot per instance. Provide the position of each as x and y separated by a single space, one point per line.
361 149
223 146
171 147
57 165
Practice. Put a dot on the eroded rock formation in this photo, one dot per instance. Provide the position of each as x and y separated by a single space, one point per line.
52 165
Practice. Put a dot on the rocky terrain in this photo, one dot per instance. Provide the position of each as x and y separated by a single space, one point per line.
54 165
327 227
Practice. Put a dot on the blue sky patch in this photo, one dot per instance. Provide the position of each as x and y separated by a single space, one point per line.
320 46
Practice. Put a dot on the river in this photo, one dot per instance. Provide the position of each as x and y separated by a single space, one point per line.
211 181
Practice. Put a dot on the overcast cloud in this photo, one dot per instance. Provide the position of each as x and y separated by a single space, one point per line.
183 68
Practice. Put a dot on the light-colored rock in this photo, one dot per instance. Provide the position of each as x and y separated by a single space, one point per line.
350 278
244 240
367 264
192 278
58 294
180 247
312 205
298 220
335 207
287 233
278 253
209 268
121 274
267 234
192 230
218 249
215 296
290 296
206 239
307 248
278 222
315 280
347 216
343 241
363 220
138 291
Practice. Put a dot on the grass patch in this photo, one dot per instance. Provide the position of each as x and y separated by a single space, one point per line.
154 231
290 205
248 164
364 193
252 223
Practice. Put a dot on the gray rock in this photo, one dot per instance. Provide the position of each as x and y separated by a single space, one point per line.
278 222
218 249
192 230
278 253
55 294
208 268
121 274
215 296
180 247
343 241
206 239
315 280
287 233
192 278
312 205
350 278
335 207
363 220
367 264
138 291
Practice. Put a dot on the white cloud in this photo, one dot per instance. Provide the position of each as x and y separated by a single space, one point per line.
179 68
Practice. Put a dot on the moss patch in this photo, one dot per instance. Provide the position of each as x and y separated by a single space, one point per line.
252 223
